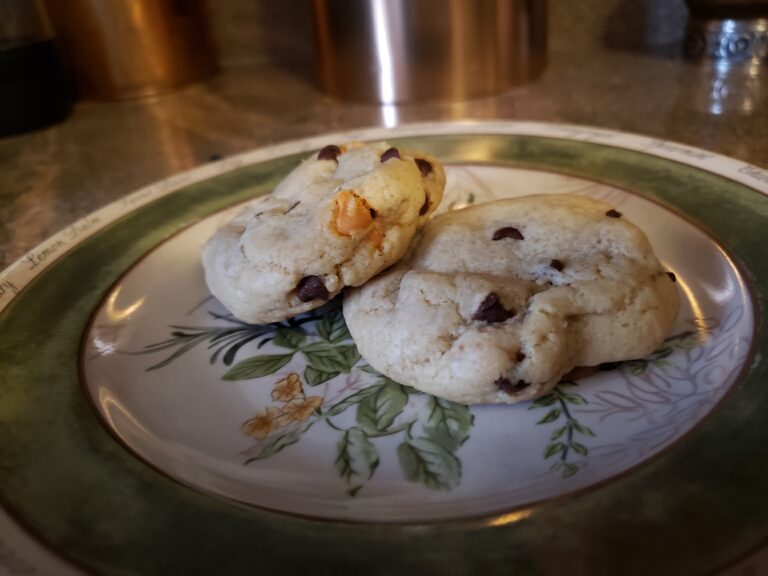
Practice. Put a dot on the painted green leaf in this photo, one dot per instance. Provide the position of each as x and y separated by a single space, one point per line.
578 448
315 347
332 328
551 416
424 460
288 338
234 348
325 325
553 449
185 343
635 367
313 376
332 358
340 332
581 428
275 444
351 400
573 398
557 433
447 423
232 333
376 412
351 355
341 335
663 352
356 455
569 469
368 369
257 366
547 400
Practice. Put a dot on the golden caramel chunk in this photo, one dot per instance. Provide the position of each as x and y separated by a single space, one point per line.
375 237
351 213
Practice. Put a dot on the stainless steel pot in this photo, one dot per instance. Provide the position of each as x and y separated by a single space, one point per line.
392 51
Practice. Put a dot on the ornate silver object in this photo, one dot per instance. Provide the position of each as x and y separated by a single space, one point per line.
734 41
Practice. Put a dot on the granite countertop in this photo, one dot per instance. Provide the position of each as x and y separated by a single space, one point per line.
103 151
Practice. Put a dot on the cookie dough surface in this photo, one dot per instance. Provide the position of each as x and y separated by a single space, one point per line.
343 215
495 302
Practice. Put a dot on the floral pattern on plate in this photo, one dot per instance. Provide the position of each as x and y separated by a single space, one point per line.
429 438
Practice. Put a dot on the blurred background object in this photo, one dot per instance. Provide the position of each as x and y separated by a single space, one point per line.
33 89
392 51
729 40
728 30
127 48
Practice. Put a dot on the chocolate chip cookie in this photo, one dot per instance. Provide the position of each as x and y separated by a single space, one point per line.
495 302
338 219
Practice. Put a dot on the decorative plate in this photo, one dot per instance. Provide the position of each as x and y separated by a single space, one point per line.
145 430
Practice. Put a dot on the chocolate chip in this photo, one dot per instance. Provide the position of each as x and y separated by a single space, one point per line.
508 232
214 157
519 356
491 310
312 288
672 276
373 212
390 153
424 207
330 152
557 265
613 213
424 167
506 386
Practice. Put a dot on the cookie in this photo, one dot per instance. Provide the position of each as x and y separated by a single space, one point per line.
495 302
343 215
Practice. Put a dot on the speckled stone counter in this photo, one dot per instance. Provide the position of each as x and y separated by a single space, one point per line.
103 151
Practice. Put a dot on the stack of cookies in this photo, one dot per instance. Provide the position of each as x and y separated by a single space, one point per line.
488 304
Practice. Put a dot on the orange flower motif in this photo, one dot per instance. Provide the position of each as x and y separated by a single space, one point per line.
300 410
261 425
287 389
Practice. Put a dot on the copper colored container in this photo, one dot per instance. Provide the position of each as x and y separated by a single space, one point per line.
127 48
391 51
